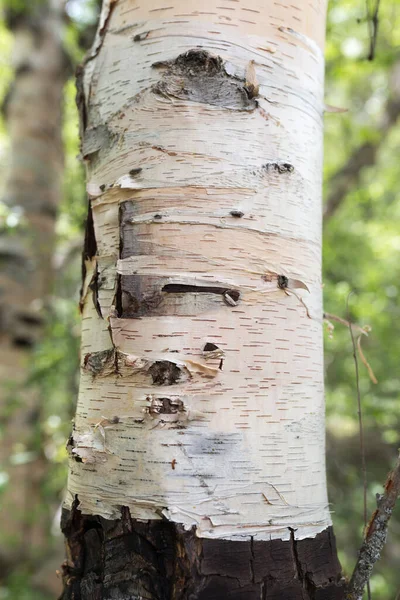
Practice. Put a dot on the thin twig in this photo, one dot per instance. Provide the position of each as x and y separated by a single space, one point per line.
361 427
328 317
369 20
374 24
375 537
365 362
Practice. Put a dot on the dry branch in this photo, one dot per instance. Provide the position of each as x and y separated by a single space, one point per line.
375 535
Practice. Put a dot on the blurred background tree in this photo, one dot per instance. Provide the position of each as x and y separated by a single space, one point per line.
361 253
44 45
32 110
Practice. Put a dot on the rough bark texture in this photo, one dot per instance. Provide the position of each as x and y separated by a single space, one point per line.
201 408
31 192
159 560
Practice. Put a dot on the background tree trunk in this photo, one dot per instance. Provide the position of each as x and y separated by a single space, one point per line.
32 192
201 408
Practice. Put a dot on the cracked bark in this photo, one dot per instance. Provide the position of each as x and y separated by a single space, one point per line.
127 559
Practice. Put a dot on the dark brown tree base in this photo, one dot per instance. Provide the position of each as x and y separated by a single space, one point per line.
157 560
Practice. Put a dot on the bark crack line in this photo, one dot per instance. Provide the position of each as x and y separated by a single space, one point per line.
296 561
300 573
253 580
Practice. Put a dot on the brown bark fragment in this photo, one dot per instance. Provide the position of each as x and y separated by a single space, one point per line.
138 296
158 560
164 372
101 363
166 406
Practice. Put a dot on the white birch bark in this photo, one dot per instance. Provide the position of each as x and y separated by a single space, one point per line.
209 171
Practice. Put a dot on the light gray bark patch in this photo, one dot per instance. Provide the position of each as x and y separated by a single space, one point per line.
165 372
199 76
96 139
101 363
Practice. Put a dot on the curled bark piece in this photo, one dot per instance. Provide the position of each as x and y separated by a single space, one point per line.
88 447
199 368
252 85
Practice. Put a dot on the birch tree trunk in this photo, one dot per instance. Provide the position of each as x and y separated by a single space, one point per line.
197 466
32 192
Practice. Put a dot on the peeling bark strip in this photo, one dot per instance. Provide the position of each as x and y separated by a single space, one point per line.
205 196
159 560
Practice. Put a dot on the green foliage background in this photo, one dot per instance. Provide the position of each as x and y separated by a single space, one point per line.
361 253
